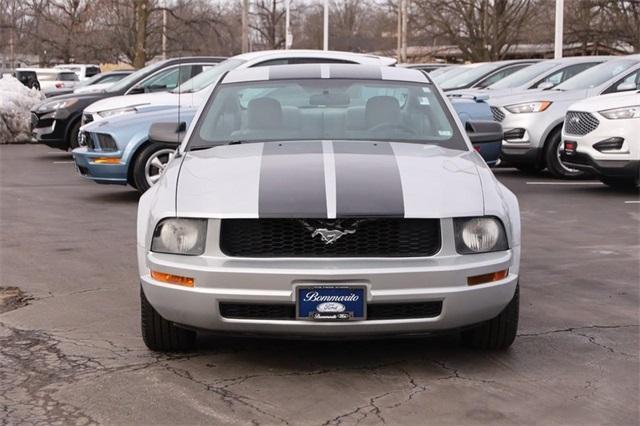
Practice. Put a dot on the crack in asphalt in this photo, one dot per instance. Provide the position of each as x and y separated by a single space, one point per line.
32 368
591 339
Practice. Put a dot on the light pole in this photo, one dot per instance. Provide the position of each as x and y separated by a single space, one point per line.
288 37
245 26
559 29
325 44
164 31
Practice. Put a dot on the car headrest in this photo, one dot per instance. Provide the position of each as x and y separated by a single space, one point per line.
264 113
382 109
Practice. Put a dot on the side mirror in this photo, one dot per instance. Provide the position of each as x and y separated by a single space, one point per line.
157 88
545 85
486 137
136 90
623 87
167 133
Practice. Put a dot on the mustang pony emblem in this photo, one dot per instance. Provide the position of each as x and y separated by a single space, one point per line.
330 236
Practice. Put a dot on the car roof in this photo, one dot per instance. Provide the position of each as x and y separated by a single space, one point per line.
317 71
310 53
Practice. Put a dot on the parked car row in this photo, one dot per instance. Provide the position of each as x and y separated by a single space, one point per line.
115 146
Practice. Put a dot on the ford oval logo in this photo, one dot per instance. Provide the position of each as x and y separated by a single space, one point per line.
330 307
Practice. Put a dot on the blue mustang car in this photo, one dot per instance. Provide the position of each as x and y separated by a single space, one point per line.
117 150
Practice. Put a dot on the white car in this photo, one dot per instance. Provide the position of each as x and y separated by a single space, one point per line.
195 91
54 80
328 200
83 71
533 120
601 135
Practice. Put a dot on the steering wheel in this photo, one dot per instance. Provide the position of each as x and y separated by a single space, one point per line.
392 126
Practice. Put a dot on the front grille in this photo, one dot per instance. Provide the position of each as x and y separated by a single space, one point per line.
375 311
293 238
498 115
257 311
39 122
580 123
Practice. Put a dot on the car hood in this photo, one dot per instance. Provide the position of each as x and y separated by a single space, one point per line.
328 179
84 99
610 101
119 123
116 102
538 95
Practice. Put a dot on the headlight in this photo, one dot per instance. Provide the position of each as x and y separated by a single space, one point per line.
54 105
180 236
479 235
528 107
117 111
622 113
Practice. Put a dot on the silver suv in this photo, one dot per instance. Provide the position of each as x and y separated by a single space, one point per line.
532 121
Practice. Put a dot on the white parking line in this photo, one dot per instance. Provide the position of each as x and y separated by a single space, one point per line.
63 162
632 202
565 183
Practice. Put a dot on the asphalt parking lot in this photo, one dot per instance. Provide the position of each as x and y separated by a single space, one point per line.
71 351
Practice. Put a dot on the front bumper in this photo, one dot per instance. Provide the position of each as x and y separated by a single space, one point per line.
526 149
221 279
49 129
623 162
100 173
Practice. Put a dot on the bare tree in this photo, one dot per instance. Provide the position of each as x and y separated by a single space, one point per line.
268 22
482 29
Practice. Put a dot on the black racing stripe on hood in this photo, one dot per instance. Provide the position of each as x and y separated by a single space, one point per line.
292 181
367 180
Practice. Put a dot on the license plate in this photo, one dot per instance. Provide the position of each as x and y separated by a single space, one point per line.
331 303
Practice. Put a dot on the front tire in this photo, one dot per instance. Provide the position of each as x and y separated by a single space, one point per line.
556 167
149 165
161 335
498 333
73 136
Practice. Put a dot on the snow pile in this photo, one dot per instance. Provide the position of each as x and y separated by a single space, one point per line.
16 101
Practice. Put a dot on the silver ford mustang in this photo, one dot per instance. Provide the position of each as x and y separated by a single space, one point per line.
328 200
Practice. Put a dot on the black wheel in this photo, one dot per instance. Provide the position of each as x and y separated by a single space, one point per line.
162 335
556 167
498 333
149 165
73 136
621 182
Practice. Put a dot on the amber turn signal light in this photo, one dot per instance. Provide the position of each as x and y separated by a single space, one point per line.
487 278
106 160
172 279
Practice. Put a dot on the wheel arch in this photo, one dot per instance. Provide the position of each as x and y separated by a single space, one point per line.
142 144
547 138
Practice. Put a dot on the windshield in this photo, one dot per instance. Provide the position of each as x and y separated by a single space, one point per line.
469 76
135 76
207 78
523 76
444 76
597 75
319 109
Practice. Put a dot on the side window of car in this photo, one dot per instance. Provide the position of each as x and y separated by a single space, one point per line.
91 71
565 73
167 79
499 75
625 84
